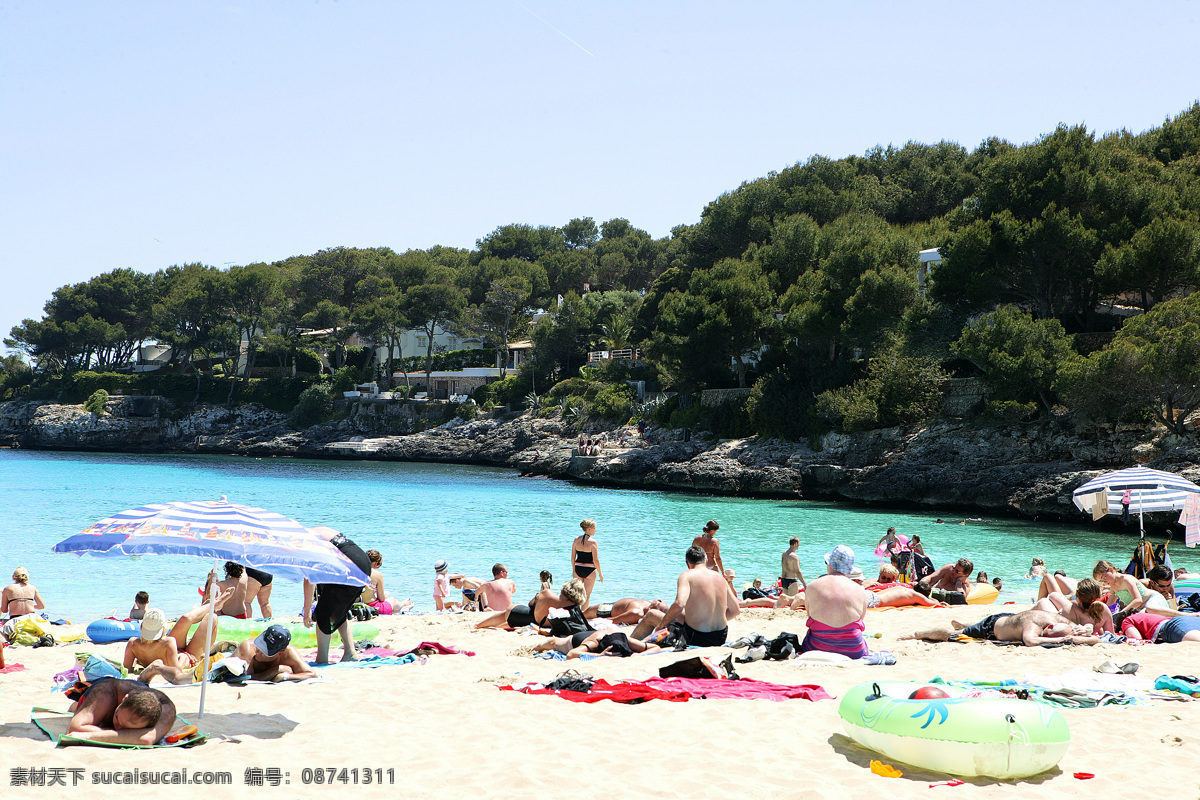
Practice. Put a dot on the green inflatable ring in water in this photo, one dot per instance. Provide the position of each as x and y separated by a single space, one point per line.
997 737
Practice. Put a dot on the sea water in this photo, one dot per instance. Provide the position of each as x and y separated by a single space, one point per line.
474 517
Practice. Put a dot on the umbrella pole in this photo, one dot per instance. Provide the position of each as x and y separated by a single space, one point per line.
1141 516
210 623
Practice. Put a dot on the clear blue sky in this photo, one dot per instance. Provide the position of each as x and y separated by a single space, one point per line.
147 134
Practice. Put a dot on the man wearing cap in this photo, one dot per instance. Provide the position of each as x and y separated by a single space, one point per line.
707 541
176 657
836 607
271 657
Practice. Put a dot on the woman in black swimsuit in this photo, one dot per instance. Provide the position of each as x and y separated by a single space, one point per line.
585 557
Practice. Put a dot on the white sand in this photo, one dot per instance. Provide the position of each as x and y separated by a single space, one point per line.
446 730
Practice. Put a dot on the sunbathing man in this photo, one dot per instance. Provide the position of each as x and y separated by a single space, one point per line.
235 578
374 594
173 656
626 611
122 712
496 594
889 593
605 643
704 602
945 583
271 657
1033 627
836 607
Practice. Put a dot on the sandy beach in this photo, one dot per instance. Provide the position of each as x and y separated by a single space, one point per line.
443 726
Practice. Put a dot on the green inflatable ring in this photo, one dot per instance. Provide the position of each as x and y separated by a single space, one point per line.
996 737
241 629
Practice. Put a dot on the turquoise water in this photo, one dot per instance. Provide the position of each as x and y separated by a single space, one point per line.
415 514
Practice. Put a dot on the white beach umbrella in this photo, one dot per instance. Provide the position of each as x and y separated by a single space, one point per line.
1150 490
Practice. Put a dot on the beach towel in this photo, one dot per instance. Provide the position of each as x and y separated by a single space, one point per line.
603 690
12 668
370 662
55 723
745 689
1190 520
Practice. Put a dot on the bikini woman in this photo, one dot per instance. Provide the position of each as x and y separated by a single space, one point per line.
585 557
1083 607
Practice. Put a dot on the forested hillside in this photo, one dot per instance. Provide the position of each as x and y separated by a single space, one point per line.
1066 286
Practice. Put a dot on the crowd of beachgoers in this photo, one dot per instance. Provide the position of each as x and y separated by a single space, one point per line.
1110 605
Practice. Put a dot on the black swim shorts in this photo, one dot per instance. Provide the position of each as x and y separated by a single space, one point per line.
984 629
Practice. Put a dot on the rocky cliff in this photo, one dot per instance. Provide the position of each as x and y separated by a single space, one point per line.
1027 470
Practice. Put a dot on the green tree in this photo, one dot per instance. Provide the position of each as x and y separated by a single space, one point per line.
435 307
1019 356
719 319
580 233
1159 261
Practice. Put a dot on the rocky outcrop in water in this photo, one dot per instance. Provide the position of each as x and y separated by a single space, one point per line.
1028 470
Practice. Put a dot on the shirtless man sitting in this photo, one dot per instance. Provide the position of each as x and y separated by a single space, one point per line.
1033 627
271 657
172 656
598 642
235 578
948 580
704 602
122 712
836 607
375 595
711 546
626 611
496 594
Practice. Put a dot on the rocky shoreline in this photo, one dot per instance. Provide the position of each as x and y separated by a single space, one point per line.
1026 470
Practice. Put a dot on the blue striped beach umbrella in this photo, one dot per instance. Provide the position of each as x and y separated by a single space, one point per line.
219 530
1150 490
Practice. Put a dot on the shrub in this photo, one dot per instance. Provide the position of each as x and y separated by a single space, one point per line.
613 402
97 402
780 407
468 410
307 361
898 390
345 379
314 406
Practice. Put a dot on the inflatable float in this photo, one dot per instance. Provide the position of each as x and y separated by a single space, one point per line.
982 594
881 548
103 631
995 737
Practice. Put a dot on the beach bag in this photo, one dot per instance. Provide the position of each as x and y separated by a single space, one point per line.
97 667
574 622
694 667
1143 560
29 631
922 567
783 647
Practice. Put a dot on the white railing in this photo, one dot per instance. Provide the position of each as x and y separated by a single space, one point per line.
626 354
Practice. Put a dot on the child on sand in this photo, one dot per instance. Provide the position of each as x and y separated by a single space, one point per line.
441 587
140 601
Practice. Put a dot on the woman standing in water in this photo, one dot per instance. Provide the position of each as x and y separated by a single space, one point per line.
585 557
